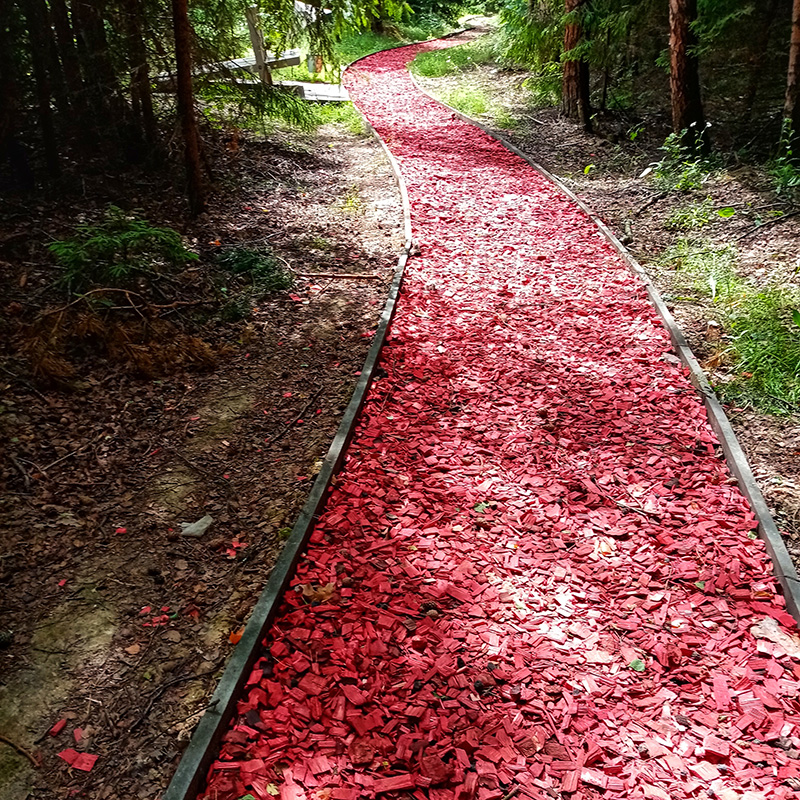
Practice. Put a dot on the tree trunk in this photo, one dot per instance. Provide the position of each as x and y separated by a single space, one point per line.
37 36
575 72
140 71
11 150
684 76
68 54
759 58
191 136
791 108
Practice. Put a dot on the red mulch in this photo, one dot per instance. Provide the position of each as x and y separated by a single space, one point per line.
535 575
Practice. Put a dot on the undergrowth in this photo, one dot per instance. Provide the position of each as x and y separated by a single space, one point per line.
683 167
116 250
761 341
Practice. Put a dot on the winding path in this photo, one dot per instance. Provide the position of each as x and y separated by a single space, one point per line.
535 576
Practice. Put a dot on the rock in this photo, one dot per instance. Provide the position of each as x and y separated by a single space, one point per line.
197 528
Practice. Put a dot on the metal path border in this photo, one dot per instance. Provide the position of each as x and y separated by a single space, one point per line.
196 759
738 464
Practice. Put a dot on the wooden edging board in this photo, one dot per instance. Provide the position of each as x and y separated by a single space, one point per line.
196 759
785 571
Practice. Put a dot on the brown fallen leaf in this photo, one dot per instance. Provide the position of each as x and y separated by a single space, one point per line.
318 594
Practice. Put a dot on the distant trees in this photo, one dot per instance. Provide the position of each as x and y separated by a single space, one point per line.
609 51
78 77
684 75
575 72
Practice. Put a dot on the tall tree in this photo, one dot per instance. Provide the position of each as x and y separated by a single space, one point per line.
791 107
575 103
38 33
684 74
191 136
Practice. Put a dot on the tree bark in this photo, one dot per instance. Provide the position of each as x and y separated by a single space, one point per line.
575 72
191 137
68 53
684 75
37 37
140 71
759 57
791 108
11 150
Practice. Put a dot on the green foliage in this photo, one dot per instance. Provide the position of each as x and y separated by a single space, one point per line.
690 217
233 102
683 167
117 249
544 86
532 32
762 327
260 264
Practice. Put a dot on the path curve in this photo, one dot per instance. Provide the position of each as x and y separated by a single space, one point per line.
535 575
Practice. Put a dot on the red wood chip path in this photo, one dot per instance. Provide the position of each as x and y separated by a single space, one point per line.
535 576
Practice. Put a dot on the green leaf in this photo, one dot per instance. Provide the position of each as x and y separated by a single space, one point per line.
700 584
726 213
247 797
796 316
588 168
481 507
637 665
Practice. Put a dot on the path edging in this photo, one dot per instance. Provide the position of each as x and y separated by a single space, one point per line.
738 464
197 758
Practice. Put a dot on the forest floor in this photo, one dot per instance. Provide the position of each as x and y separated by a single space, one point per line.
115 625
605 170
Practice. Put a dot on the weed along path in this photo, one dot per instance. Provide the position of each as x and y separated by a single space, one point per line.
535 576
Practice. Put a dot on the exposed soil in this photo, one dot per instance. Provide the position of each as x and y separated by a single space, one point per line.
632 206
112 619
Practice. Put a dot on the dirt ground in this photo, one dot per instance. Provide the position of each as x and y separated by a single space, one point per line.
637 212
112 620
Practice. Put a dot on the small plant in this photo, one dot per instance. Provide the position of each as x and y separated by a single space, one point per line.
352 203
113 252
683 167
783 168
690 217
262 267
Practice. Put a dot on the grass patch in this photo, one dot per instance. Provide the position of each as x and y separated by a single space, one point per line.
467 99
344 114
438 63
761 328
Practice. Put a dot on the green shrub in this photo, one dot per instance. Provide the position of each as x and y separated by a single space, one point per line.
113 252
544 86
